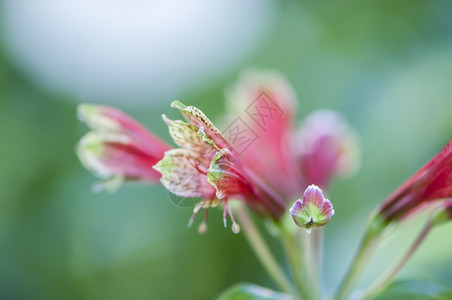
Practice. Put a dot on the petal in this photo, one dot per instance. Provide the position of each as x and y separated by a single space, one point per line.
113 154
181 174
109 119
191 138
260 109
197 118
327 147
229 178
118 146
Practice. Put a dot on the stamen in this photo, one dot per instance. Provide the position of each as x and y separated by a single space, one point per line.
195 212
235 226
230 214
202 229
225 209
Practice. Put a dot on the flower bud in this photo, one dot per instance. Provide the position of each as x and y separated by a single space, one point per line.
313 210
432 182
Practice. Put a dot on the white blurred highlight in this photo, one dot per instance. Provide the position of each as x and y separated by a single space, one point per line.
143 51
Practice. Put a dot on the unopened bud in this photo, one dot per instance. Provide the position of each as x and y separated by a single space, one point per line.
313 210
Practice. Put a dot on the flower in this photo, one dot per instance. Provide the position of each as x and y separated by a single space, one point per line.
285 158
432 182
118 148
327 147
208 167
266 103
314 210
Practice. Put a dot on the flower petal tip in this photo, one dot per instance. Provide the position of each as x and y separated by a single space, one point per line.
179 105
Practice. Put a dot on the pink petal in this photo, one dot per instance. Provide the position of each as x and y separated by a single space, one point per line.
118 146
326 147
261 107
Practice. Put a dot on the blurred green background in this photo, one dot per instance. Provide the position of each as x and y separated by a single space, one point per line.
386 65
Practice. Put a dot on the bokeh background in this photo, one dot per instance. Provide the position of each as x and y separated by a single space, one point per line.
386 65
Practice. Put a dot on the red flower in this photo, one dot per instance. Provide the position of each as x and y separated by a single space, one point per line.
209 165
118 148
433 181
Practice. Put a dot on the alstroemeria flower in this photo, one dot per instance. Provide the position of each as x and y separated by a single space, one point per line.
432 182
327 147
208 167
287 160
314 210
118 148
263 104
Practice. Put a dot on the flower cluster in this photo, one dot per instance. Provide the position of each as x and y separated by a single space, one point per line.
262 160
274 168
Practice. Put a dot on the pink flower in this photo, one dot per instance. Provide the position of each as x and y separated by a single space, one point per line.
327 147
266 103
208 164
118 148
432 182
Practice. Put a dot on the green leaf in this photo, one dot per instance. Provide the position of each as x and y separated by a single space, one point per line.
248 291
415 290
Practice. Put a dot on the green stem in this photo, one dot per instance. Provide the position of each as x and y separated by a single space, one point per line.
316 250
368 244
386 278
297 266
262 251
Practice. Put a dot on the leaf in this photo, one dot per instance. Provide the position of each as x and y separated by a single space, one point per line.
415 290
248 291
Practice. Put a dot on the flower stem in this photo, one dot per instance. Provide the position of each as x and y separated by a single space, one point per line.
262 251
316 256
386 278
368 244
297 266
